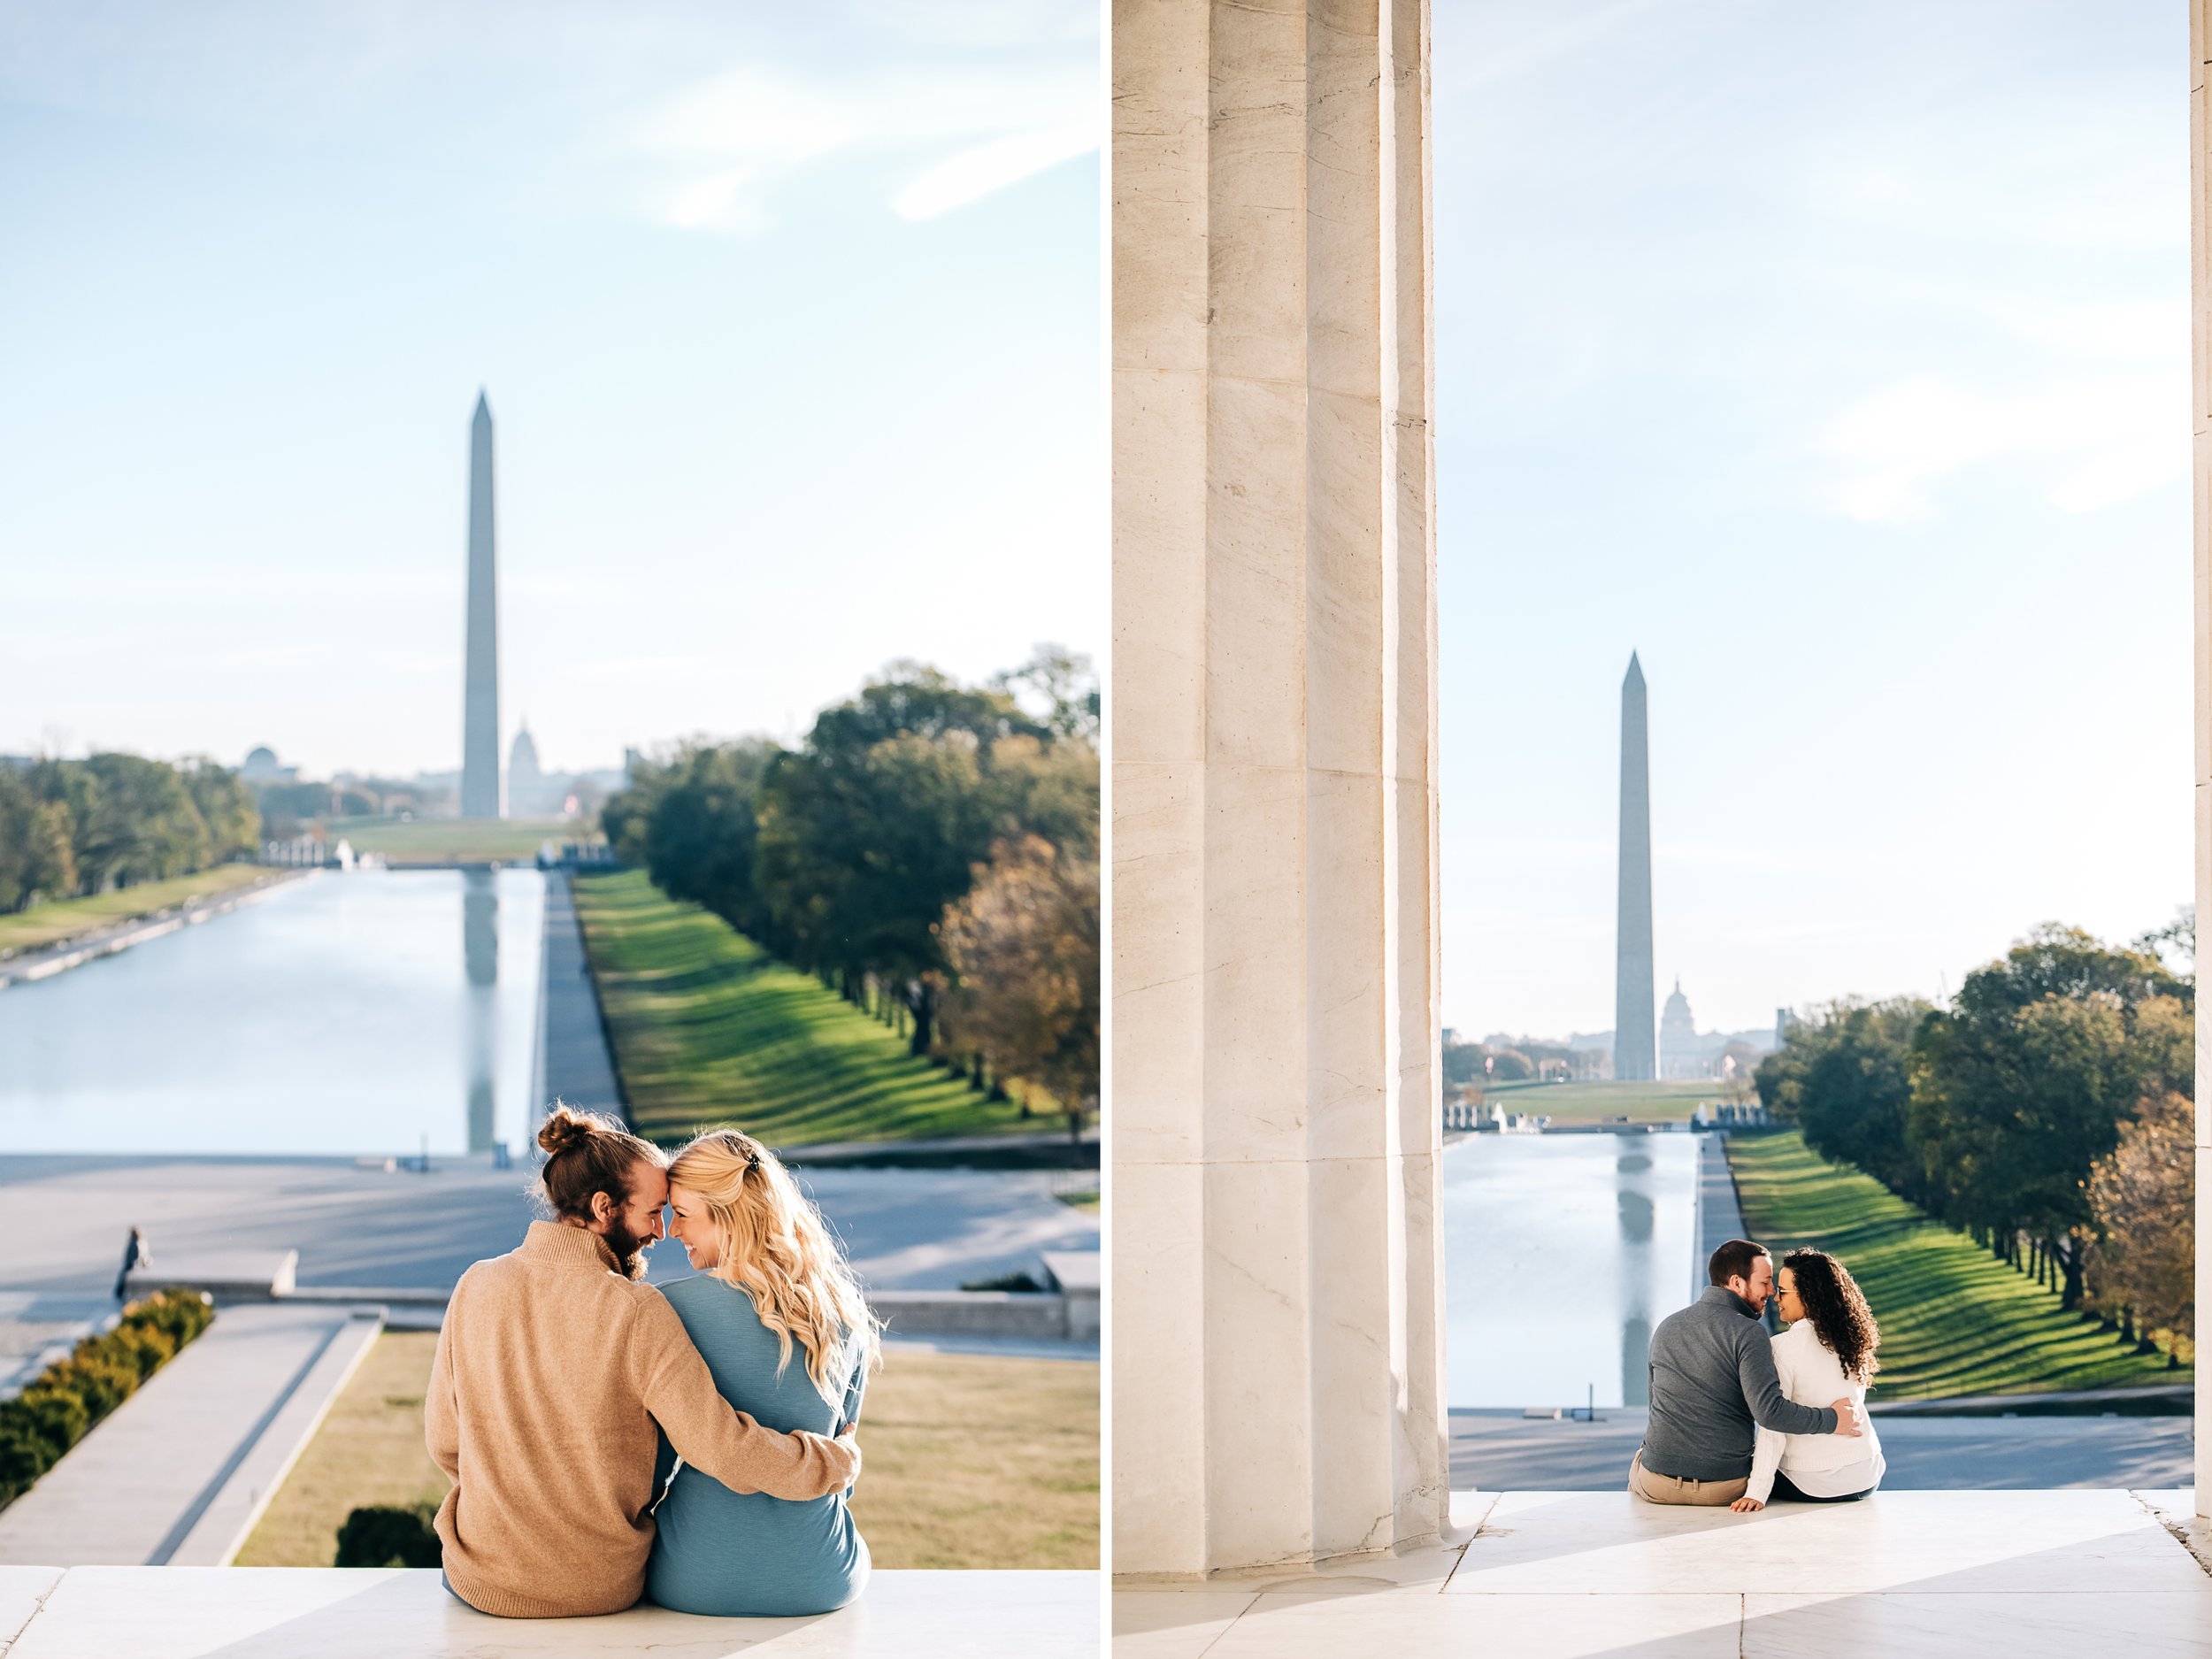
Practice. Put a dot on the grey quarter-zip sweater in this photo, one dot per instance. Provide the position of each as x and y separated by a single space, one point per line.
1712 1381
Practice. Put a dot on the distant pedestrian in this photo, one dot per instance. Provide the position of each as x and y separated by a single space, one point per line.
134 1254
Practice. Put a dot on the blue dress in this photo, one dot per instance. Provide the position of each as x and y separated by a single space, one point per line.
746 1555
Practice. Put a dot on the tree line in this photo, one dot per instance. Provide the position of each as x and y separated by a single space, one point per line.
2048 1111
930 852
70 828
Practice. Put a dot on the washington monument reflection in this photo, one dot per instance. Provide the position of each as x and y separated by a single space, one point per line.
479 952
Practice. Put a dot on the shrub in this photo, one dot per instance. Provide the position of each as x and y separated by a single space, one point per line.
39 1426
1018 1282
145 1347
382 1535
55 1418
97 1375
23 1459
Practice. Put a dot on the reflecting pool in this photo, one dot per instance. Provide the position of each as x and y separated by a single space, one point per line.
1562 1251
367 1012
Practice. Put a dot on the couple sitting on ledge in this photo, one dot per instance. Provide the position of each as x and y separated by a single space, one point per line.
1740 1419
608 1440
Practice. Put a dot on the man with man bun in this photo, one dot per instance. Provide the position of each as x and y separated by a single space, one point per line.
554 1366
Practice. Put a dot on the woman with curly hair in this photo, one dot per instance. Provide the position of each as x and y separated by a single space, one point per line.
1827 1352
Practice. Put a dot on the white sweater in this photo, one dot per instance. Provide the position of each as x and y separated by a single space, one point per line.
1821 1465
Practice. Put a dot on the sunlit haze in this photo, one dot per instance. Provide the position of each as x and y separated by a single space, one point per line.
1836 360
788 316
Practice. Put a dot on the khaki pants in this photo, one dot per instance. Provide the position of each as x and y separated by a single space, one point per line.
1666 1489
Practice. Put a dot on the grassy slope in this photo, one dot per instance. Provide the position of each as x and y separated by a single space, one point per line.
45 925
1593 1103
709 1028
440 840
971 1461
1955 1320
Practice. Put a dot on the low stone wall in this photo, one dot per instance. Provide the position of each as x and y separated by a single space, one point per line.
1027 1315
1069 1314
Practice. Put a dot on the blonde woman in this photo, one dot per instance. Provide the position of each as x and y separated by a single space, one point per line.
780 1319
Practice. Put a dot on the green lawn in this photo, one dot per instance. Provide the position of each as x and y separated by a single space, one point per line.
1955 1320
444 840
967 1461
709 1029
1593 1103
44 925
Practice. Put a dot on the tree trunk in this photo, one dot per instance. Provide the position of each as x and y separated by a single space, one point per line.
918 1001
2070 1261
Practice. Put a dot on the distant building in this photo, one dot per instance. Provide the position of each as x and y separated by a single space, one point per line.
261 767
530 793
1679 1054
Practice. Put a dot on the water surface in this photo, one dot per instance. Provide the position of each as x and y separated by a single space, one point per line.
1562 1252
343 1013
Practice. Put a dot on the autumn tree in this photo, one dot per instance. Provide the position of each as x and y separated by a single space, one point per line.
1023 944
2142 1195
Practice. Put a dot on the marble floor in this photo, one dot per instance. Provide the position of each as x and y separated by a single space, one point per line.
333 1613
1574 1575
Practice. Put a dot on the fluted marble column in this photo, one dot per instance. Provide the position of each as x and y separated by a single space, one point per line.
2201 414
1278 1296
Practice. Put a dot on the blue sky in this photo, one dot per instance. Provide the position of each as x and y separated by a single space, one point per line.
1836 360
788 317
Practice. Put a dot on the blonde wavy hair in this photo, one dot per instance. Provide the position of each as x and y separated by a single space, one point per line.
775 1247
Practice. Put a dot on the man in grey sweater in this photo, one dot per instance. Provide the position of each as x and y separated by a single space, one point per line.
1712 1381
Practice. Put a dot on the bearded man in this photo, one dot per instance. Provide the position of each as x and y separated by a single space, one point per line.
554 1366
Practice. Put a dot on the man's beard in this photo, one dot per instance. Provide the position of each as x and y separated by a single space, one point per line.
628 1247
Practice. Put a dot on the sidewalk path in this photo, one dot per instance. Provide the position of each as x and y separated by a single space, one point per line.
927 1229
178 1472
1719 1216
573 1063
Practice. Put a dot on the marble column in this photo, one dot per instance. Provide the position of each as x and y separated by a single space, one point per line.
2201 417
1277 1296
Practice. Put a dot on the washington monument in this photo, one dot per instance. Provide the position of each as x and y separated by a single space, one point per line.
480 728
1635 1049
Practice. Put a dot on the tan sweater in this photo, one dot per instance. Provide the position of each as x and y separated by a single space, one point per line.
552 1369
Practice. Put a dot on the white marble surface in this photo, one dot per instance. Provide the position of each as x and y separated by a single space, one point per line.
333 1613
2018 1624
1951 1541
21 1589
1552 1576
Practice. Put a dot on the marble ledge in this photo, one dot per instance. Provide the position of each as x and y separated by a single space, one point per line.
352 1613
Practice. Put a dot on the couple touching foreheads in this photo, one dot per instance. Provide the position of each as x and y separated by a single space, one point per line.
1740 1418
566 1394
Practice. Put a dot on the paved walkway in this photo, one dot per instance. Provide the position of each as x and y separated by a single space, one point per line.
1502 1451
906 1229
1719 1216
573 1065
2029 1575
179 1472
342 1613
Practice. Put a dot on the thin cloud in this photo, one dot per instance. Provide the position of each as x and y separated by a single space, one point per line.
725 145
2100 441
975 173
